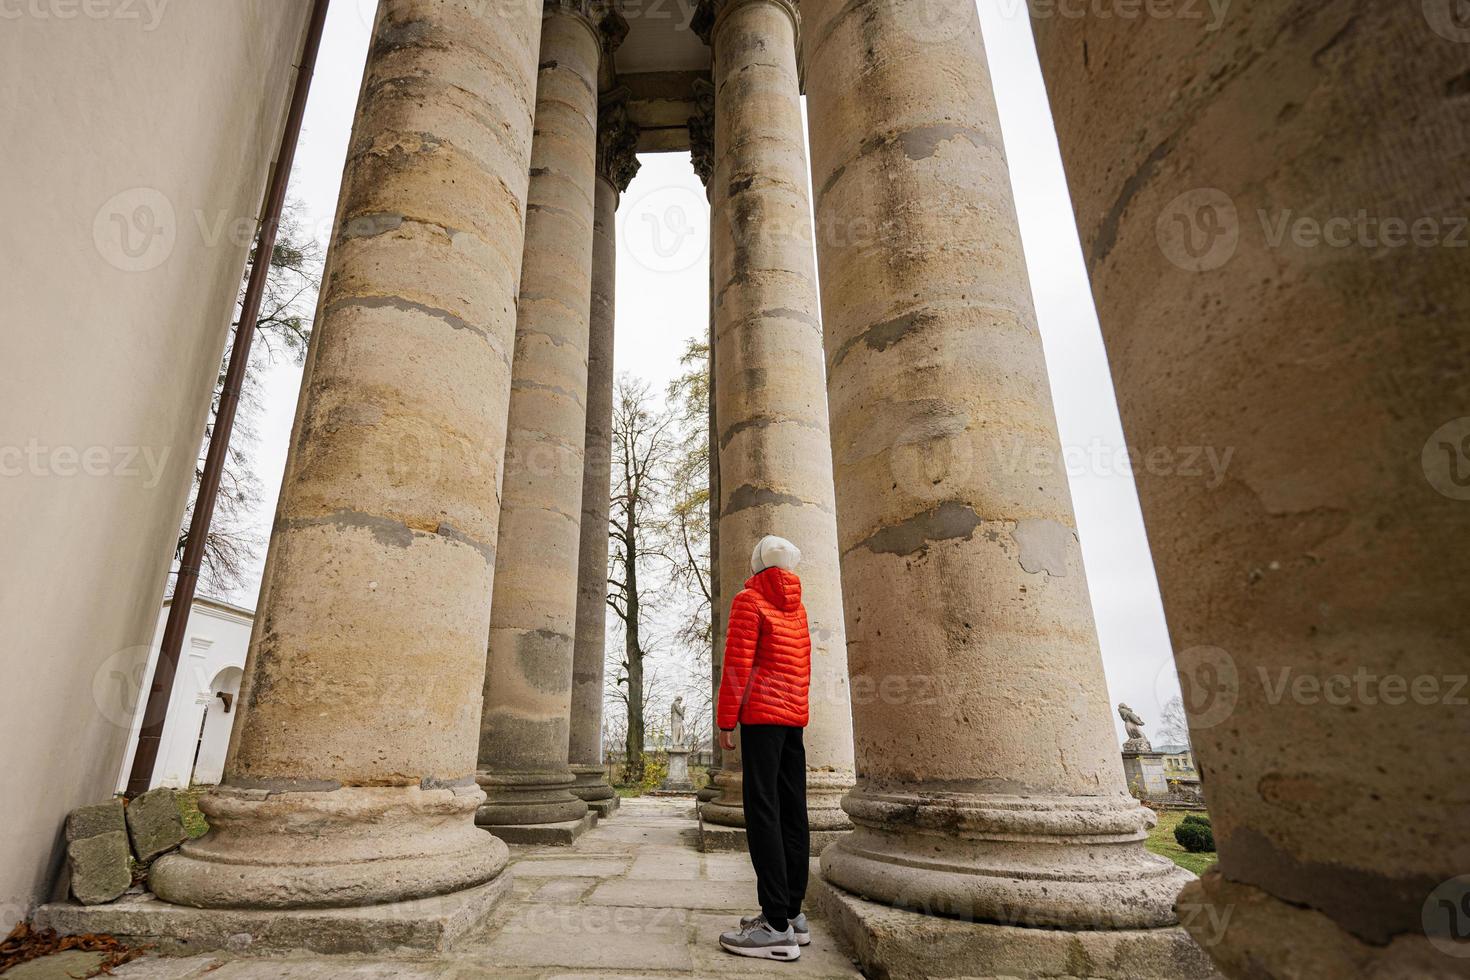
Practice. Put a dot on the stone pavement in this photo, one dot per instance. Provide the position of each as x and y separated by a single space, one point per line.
631 898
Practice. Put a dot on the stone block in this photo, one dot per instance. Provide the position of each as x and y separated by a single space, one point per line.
903 945
99 867
556 834
1144 772
99 818
604 808
430 924
154 823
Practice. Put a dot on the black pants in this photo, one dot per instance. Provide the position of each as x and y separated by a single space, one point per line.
773 759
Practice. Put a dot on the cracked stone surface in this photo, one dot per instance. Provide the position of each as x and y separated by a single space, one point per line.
629 898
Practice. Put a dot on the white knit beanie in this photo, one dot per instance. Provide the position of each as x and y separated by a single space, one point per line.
773 552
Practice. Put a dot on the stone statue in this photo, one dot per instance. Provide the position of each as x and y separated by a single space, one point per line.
676 723
1137 741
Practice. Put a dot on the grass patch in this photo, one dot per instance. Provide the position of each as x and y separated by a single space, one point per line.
1161 841
194 823
628 791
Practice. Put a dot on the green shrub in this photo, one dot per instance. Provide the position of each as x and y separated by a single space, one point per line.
1199 819
655 771
1196 838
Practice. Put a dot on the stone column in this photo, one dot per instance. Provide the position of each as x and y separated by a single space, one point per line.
350 779
1278 254
775 455
701 157
989 786
525 731
617 162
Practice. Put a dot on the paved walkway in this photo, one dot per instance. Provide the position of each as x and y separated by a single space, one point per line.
632 898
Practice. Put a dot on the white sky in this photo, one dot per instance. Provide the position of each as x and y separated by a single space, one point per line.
662 294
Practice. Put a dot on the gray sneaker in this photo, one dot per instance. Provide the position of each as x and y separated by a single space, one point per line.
756 938
799 927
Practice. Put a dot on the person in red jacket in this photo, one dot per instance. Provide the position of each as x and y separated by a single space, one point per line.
763 690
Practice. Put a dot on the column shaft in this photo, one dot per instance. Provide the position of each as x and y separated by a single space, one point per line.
350 777
775 453
616 164
1295 310
525 731
989 784
591 643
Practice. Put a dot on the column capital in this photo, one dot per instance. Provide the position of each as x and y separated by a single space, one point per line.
613 27
617 140
601 17
702 130
709 13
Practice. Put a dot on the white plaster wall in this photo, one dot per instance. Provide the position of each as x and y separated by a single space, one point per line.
158 117
211 659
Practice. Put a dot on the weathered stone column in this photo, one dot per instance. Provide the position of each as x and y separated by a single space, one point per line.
350 779
701 156
525 731
1272 206
989 784
617 162
775 455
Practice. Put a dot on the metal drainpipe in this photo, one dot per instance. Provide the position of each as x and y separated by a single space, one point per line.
160 692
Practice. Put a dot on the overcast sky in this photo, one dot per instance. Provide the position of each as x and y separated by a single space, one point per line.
662 299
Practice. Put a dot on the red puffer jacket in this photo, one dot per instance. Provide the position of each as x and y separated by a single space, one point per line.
768 654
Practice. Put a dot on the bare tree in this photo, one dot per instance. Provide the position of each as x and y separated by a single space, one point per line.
642 447
687 527
1174 724
283 328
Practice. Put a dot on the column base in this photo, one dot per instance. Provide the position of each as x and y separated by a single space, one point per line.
902 945
425 924
558 834
591 784
514 799
605 808
353 846
1249 932
1052 862
825 791
715 837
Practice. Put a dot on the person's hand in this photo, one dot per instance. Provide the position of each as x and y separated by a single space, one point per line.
727 741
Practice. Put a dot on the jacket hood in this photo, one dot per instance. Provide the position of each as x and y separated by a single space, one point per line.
772 551
781 588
